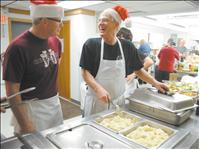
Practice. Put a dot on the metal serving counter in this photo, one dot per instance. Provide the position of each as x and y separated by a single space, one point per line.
189 128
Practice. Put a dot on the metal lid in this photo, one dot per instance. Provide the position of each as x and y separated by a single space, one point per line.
174 103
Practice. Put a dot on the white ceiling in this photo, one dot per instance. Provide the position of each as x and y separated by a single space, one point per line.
146 9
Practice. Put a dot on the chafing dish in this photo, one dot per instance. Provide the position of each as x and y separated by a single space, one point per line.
175 134
171 109
117 121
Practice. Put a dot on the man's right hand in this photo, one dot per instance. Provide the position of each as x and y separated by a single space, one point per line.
130 77
29 128
102 94
3 110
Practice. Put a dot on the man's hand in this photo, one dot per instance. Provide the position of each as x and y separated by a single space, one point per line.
3 110
29 128
161 87
130 77
102 94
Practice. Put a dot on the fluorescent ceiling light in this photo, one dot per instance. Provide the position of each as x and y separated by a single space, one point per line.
194 13
162 23
77 4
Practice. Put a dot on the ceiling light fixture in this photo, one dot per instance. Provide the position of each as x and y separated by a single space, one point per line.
77 4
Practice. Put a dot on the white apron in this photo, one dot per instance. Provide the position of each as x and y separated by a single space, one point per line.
83 90
44 113
130 87
111 75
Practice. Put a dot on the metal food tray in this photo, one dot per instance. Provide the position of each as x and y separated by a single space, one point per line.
123 114
175 136
84 136
174 103
158 113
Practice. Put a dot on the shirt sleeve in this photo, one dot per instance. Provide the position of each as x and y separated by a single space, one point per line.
84 59
133 61
141 56
89 59
14 64
177 56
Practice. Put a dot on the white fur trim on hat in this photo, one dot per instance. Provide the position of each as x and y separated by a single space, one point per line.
128 23
46 10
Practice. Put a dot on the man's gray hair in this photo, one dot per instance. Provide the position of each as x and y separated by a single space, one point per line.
36 21
113 14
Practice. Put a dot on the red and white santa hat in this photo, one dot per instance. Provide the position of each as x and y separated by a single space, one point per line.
46 8
122 14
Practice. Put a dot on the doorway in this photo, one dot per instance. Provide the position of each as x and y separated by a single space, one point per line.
64 68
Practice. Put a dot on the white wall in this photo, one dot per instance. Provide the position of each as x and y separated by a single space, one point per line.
82 28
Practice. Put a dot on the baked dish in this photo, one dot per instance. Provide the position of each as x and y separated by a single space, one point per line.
118 122
148 136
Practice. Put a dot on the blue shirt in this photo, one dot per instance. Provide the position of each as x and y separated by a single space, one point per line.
145 49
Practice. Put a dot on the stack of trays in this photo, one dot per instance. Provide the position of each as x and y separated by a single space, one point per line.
173 109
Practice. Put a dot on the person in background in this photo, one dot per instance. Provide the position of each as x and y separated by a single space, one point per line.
182 48
31 60
125 33
106 61
144 47
167 56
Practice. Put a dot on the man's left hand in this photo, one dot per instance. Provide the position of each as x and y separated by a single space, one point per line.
161 87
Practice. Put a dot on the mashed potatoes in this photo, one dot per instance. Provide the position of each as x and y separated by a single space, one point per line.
148 136
118 122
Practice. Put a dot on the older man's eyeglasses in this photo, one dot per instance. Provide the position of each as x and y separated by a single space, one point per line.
105 20
56 20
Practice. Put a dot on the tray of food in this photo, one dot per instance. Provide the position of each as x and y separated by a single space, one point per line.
148 134
117 121
189 89
193 94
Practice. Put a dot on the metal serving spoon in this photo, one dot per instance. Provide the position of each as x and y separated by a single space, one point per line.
21 92
8 105
117 107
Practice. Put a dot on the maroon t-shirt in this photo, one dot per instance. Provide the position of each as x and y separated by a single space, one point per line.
33 62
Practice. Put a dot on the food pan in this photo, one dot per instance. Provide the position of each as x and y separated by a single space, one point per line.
84 136
160 114
117 121
148 134
175 103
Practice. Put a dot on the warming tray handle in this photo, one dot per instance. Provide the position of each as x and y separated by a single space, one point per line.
94 145
138 101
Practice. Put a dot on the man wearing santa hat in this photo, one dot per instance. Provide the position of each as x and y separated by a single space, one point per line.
31 60
104 62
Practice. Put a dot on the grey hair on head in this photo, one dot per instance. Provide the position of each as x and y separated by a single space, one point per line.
113 14
36 21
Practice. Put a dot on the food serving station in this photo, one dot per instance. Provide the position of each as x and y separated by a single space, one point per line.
148 120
